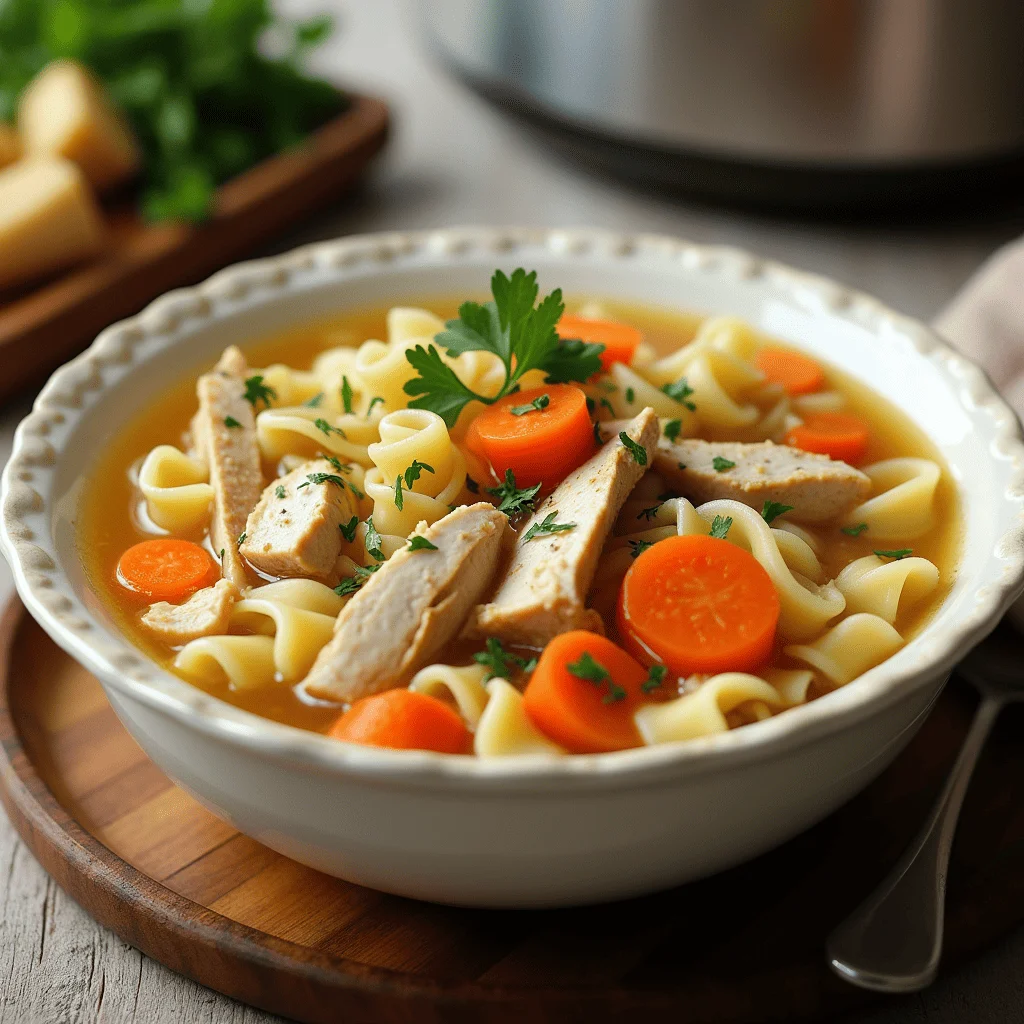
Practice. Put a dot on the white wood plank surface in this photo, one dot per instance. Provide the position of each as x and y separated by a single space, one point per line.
453 161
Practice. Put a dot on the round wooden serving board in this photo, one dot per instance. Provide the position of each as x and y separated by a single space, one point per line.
166 875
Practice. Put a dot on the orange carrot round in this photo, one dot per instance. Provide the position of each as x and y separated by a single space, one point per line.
619 340
542 434
166 569
839 435
698 604
404 720
797 373
583 693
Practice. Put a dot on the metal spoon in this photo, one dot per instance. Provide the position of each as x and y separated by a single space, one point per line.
893 941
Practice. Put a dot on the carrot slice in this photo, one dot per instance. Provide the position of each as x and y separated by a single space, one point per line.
542 434
797 373
403 720
839 435
569 701
698 604
619 340
166 569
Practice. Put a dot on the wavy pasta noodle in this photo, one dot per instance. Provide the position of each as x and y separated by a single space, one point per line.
291 387
870 584
243 662
850 648
904 502
505 730
308 432
463 685
174 485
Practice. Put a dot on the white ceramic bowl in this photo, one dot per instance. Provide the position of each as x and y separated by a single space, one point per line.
519 832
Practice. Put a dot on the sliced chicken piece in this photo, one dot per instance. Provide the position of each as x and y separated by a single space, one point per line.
817 487
544 589
411 607
224 433
294 528
205 613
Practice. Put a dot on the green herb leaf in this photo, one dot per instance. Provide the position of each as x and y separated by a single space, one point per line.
547 527
355 490
720 527
341 467
594 672
897 553
412 474
514 501
680 392
655 677
721 464
372 542
314 402
373 402
438 387
648 513
326 429
420 543
853 531
573 361
321 478
499 662
638 547
630 395
366 570
348 586
598 439
346 395
230 421
279 492
605 404
348 530
638 451
540 403
672 429
399 500
472 486
241 539
773 509
256 391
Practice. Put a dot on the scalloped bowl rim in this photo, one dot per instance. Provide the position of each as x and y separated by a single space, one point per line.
50 597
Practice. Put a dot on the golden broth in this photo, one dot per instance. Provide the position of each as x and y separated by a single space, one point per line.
107 524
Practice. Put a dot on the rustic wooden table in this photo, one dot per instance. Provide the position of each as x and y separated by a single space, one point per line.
454 161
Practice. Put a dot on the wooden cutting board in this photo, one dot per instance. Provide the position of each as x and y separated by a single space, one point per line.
44 325
147 861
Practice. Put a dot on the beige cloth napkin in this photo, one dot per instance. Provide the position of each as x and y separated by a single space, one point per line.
986 322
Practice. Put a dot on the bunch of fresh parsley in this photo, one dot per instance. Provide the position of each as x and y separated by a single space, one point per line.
515 328
203 96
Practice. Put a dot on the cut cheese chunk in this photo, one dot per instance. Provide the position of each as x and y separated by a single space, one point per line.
10 145
65 112
48 219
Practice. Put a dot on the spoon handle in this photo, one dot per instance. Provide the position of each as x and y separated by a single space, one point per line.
892 942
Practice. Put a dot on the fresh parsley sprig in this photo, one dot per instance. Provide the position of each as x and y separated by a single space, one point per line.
590 669
547 527
638 451
773 509
499 662
514 501
720 527
540 403
514 327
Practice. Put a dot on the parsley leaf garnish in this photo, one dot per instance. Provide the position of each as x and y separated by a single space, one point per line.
498 661
672 429
230 421
420 543
373 402
256 391
355 490
373 541
326 429
896 553
773 509
648 513
540 403
655 677
598 439
341 467
346 395
722 464
605 404
853 531
348 586
638 547
241 539
514 501
399 499
279 491
547 527
720 527
521 336
321 478
314 402
412 474
366 570
348 530
680 392
638 451
594 672
630 395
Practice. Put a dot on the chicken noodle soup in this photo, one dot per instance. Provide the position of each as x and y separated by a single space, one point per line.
520 530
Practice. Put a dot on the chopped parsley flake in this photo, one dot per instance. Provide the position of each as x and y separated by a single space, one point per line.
896 553
348 586
638 451
630 395
638 547
593 671
355 490
853 531
605 404
366 570
399 499
314 402
591 405
680 392
321 478
499 662
256 391
372 541
341 467
773 509
412 474
420 543
607 385
540 403
722 464
221 556
648 513
598 440
514 501
326 429
373 402
655 677
279 491
241 539
672 429
348 530
547 527
681 465
346 395
720 527
230 421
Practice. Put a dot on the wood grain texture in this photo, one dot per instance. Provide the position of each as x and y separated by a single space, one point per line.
175 882
44 325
